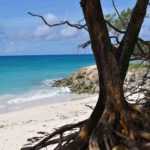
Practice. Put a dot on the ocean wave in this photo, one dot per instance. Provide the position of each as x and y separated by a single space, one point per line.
29 98
37 95
49 82
6 97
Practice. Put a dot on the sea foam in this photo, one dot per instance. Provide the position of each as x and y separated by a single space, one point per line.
38 95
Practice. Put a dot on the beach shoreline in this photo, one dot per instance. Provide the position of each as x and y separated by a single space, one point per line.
16 127
58 98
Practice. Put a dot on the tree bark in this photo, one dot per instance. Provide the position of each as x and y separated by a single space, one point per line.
129 40
109 77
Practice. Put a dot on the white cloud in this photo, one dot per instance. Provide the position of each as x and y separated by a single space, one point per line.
60 32
42 31
68 32
23 34
51 18
10 47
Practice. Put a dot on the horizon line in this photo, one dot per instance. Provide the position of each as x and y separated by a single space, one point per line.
43 55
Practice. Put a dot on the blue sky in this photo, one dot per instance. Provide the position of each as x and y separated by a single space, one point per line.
22 34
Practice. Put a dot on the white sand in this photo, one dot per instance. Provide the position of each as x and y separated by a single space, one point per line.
16 127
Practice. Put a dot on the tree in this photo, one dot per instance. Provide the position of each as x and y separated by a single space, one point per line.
113 123
120 21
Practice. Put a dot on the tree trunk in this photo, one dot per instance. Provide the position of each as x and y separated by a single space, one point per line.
129 40
110 83
111 108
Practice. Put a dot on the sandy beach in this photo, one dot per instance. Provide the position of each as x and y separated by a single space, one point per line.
17 127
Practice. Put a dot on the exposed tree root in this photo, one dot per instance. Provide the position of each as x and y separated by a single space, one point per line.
110 135
59 132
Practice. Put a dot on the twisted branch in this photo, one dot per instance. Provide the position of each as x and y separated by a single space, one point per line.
78 26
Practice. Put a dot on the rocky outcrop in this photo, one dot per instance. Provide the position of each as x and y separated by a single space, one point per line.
83 81
86 80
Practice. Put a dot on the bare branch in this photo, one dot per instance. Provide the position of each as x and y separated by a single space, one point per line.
120 31
84 45
113 2
116 38
89 106
130 38
140 48
78 26
135 92
144 42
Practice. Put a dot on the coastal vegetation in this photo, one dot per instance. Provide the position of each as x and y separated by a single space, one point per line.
114 123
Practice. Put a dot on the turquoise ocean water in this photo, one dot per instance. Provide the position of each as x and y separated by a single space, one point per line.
26 79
